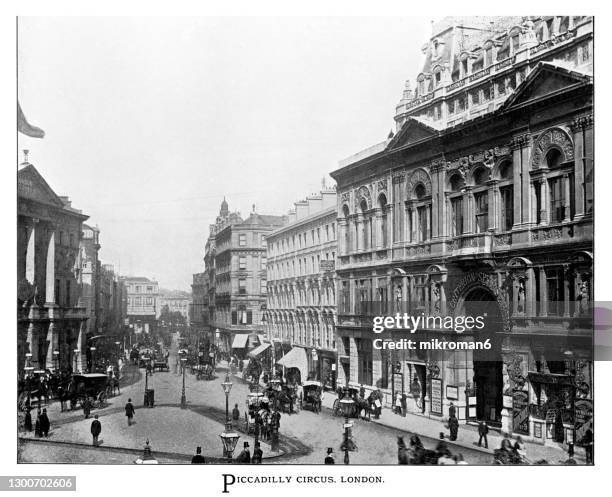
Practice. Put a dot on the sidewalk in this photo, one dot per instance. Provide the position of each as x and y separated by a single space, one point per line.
467 436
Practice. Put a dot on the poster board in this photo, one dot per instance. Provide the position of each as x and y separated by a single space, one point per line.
436 396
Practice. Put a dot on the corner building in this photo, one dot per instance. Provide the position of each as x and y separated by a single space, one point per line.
484 195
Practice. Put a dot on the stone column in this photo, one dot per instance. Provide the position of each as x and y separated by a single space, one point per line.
468 222
533 214
543 201
493 199
579 168
358 245
566 290
342 245
543 293
405 293
50 297
30 268
530 298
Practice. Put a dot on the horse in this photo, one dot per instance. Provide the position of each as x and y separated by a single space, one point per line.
362 404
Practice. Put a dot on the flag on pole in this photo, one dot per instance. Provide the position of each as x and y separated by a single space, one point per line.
23 126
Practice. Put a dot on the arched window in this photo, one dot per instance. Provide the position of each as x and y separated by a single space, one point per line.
366 227
481 200
553 158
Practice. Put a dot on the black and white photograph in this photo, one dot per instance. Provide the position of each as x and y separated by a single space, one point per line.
303 241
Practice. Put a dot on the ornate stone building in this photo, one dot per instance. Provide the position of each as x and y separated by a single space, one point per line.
301 303
235 261
51 325
142 294
484 196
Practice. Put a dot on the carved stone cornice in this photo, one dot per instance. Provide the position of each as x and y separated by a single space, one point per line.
582 122
520 141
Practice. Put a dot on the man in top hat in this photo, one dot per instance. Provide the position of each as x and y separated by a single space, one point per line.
257 454
96 429
45 424
329 458
198 458
245 456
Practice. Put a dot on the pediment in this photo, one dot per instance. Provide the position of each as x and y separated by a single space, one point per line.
413 131
545 80
32 186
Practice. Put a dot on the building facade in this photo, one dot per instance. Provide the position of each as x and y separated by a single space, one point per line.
198 308
142 294
238 295
51 324
484 196
301 293
176 301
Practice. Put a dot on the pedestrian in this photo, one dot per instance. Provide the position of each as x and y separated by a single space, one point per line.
27 423
398 403
587 443
453 425
483 429
235 413
198 458
45 424
257 454
96 429
245 456
329 458
519 448
86 407
452 410
404 404
129 411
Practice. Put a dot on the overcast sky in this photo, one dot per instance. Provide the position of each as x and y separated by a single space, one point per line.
150 121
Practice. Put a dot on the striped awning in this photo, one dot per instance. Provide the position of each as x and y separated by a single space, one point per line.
240 341
262 348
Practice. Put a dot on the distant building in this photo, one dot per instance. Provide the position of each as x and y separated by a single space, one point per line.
51 325
142 294
89 263
301 297
198 308
176 301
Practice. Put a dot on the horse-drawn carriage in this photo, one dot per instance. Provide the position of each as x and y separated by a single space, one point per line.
203 371
255 402
145 356
311 395
83 387
360 404
160 363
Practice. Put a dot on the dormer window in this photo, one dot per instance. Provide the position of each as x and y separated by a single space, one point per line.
489 56
514 42
438 78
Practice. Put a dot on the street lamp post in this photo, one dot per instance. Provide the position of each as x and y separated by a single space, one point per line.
229 437
183 398
56 360
346 404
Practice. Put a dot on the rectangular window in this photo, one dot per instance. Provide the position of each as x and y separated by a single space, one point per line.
489 56
556 294
234 317
423 223
264 243
242 240
263 287
149 289
457 213
557 200
475 94
264 261
242 286
242 262
137 289
507 207
481 200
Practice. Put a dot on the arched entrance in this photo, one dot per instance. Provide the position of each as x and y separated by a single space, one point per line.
487 364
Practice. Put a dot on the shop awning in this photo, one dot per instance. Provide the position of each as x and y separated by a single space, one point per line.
296 358
255 352
240 341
